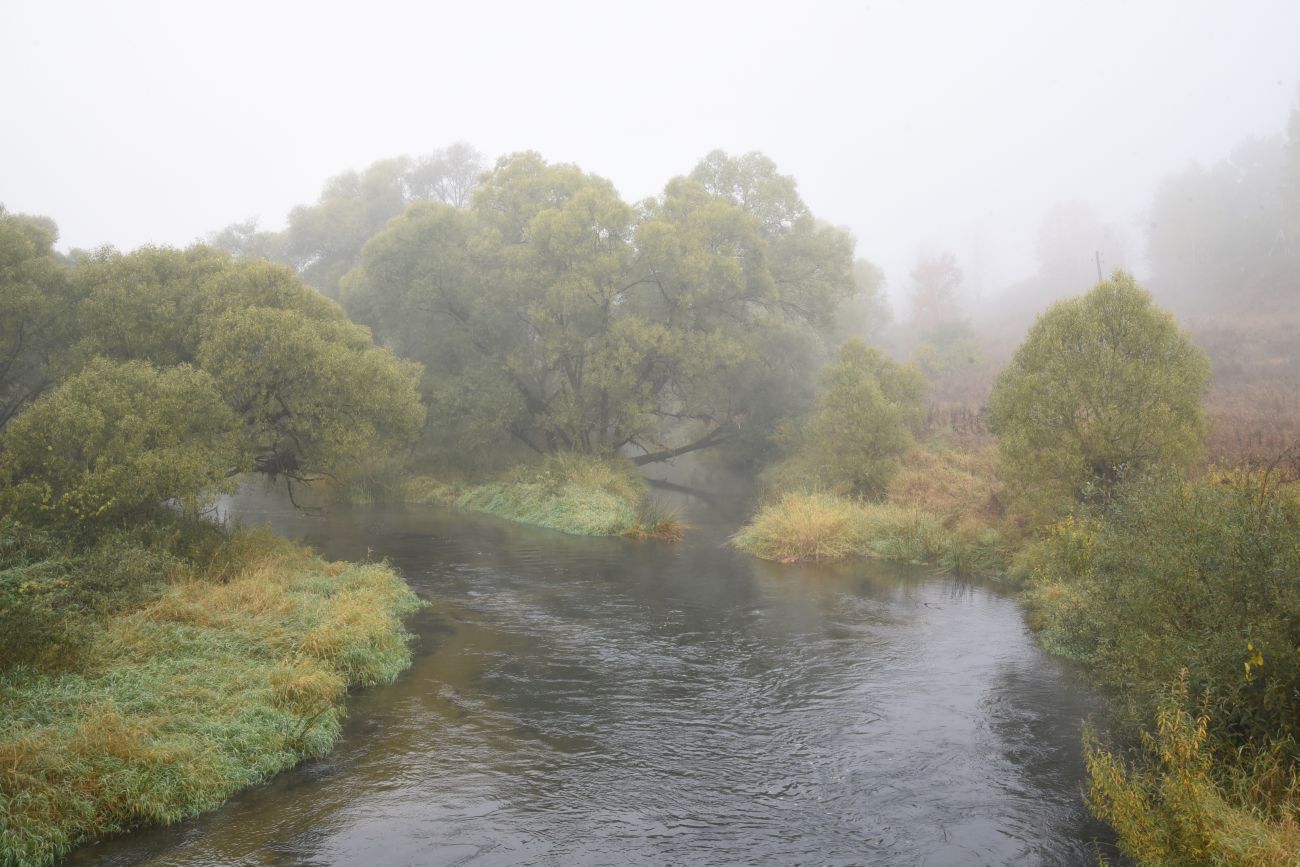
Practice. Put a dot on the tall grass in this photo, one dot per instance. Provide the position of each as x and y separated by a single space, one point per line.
817 526
223 680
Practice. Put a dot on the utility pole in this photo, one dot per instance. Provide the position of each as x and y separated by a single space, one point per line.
1098 255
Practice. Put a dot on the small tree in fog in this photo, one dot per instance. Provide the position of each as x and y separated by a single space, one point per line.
1105 386
862 426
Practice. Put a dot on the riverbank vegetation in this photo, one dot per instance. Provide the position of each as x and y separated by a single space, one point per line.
582 495
153 674
153 662
1173 584
518 340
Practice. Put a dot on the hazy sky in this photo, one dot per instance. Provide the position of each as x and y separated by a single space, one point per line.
913 123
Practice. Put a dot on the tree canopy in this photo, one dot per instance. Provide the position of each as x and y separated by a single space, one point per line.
311 389
36 310
323 241
115 440
553 312
1104 386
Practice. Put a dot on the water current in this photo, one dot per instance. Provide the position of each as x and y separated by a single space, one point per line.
578 701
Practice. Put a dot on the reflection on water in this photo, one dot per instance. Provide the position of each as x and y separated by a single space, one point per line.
598 701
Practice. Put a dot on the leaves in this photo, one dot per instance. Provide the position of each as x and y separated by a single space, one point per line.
1105 386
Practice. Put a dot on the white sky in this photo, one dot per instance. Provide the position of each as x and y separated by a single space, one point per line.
950 125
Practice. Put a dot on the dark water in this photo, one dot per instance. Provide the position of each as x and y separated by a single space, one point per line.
595 701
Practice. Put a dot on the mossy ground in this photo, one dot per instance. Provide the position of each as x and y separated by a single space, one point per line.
218 682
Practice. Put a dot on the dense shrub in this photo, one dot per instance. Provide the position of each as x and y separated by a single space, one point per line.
1195 585
855 439
1105 387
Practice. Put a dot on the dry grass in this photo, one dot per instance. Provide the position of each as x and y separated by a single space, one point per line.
819 527
216 685
954 482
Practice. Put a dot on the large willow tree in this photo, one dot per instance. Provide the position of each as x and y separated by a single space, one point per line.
553 312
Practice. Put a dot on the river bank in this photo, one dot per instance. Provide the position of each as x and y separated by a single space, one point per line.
222 676
593 699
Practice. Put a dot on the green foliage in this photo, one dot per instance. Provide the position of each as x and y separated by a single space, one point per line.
862 425
36 311
553 313
323 241
1180 804
1199 576
312 395
948 350
213 686
583 495
311 391
114 442
1104 387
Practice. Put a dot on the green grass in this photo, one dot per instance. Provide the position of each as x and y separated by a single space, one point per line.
227 677
581 495
819 527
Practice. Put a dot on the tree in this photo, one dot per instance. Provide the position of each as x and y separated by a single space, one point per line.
1104 387
311 390
866 312
117 440
866 413
323 241
36 311
1221 238
935 280
664 328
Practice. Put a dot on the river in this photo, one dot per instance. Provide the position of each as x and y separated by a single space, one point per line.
583 701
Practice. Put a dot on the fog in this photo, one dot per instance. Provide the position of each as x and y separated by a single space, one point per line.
949 126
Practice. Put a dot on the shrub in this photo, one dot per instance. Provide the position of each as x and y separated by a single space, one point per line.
1199 576
862 425
1105 387
1179 804
115 442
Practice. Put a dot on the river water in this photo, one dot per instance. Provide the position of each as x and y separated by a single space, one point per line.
583 701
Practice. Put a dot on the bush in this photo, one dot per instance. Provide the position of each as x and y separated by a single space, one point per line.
115 442
818 526
862 426
1179 804
1199 576
1105 387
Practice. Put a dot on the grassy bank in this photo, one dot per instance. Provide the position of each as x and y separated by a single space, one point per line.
823 527
942 509
576 494
219 672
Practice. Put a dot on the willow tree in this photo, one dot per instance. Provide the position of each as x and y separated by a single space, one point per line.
310 390
323 240
553 312
36 311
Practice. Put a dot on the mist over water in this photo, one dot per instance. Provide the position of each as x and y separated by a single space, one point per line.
598 701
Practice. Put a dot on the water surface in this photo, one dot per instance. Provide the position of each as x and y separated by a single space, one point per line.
599 701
